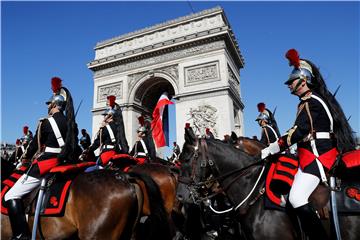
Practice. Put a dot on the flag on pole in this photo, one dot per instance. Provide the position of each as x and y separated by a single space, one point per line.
156 123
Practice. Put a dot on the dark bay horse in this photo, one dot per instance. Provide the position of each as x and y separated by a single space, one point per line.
101 205
242 177
166 179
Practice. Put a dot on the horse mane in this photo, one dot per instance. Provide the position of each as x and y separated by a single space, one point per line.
220 146
255 141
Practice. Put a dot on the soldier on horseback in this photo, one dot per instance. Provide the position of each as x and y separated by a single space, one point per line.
320 132
55 141
144 148
111 135
270 132
28 136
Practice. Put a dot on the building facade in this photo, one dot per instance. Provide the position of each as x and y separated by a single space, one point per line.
195 58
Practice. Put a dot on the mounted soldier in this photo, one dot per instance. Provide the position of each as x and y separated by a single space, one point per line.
15 157
270 132
111 102
175 151
27 137
55 141
320 132
209 134
111 135
144 148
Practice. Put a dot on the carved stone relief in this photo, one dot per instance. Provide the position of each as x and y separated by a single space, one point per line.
208 72
186 52
205 116
170 70
109 89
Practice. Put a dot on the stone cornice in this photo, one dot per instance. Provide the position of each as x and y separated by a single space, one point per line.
166 46
163 25
206 24
168 54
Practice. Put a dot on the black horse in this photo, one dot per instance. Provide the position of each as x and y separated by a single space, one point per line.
197 221
241 177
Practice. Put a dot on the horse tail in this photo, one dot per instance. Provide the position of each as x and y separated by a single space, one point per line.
157 224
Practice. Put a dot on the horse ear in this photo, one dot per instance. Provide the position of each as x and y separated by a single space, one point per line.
234 137
190 136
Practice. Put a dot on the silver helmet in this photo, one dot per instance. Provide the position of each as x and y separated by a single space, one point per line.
142 129
303 72
58 100
108 111
263 116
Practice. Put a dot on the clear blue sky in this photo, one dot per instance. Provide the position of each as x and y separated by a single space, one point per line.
40 40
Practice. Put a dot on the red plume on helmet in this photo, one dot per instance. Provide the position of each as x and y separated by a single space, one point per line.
56 84
111 99
187 125
141 120
293 57
261 107
25 130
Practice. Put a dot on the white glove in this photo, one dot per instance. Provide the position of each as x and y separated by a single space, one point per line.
270 150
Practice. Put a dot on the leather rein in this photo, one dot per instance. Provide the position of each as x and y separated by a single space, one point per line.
207 161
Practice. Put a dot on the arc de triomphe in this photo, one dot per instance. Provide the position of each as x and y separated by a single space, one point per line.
195 58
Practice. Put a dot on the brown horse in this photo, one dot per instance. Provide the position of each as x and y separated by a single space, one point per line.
166 179
248 145
101 205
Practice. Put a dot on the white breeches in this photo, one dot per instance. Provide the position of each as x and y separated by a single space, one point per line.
304 184
22 187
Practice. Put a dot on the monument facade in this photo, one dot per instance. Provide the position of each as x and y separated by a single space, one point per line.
195 58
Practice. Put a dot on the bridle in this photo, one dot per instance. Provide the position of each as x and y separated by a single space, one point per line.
205 161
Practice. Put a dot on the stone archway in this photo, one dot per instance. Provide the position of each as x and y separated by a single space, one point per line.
195 58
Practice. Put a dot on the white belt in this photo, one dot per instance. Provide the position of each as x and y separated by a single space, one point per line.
322 135
52 150
108 147
141 154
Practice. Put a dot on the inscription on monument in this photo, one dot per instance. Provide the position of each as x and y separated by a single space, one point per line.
109 89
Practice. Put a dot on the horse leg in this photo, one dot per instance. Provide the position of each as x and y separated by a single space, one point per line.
349 227
259 223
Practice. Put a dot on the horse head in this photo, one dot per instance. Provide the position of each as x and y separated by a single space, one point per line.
212 161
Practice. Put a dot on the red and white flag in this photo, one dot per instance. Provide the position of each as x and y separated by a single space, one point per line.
156 123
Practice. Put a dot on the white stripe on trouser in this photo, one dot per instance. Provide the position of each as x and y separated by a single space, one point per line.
22 187
304 184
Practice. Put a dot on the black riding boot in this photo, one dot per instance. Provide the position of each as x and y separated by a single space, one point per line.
19 226
294 219
311 223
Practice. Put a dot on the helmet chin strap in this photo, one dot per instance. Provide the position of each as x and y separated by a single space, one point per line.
297 86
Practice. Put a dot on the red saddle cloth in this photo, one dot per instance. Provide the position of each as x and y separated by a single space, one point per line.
56 195
352 159
280 177
124 161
